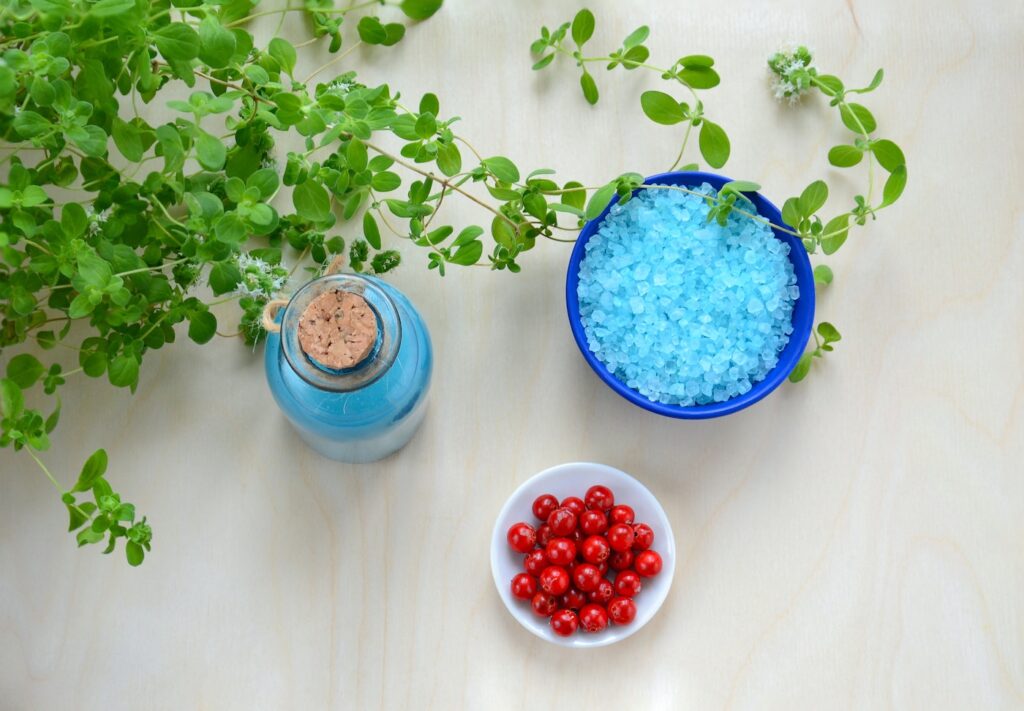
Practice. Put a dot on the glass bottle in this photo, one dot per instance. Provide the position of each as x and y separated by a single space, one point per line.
368 411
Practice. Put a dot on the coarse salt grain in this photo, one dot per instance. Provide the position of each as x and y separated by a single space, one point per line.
683 311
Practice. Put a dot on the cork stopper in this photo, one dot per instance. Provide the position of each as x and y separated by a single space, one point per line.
338 329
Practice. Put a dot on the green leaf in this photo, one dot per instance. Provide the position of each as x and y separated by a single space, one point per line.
875 83
714 144
582 27
370 230
468 253
697 61
127 139
802 368
355 154
109 8
371 30
134 553
429 104
833 85
91 139
53 419
543 62
823 274
636 37
813 197
311 201
828 332
855 117
589 88
420 9
599 200
177 41
87 535
12 402
844 156
742 186
894 186
224 277
830 242
791 212
76 518
123 371
502 168
661 108
29 124
468 235
95 466
217 44
33 195
425 126
386 181
210 151
889 155
449 159
700 77
265 180
230 228
202 327
25 369
283 51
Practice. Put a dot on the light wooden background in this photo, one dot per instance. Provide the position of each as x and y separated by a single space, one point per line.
853 542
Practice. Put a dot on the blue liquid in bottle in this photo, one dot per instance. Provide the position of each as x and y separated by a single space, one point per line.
363 413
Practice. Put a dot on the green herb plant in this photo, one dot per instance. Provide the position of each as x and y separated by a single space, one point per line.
114 231
794 75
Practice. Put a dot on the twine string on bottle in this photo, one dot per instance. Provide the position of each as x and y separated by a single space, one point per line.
271 308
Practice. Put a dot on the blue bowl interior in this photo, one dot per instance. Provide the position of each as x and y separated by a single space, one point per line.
803 312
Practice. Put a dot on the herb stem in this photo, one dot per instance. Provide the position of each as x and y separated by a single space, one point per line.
335 60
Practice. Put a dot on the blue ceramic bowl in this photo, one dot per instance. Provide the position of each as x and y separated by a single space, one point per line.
803 312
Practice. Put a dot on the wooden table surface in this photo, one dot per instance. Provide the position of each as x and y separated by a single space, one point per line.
856 541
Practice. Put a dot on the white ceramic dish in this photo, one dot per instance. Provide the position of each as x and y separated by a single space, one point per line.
573 480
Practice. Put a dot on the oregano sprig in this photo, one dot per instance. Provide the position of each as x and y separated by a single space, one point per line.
692 72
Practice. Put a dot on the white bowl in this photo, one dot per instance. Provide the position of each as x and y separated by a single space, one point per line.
573 480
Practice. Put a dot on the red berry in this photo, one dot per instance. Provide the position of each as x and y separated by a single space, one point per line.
544 534
555 581
593 618
599 498
627 583
560 551
586 577
593 522
522 537
603 594
647 564
621 514
524 586
622 610
621 560
535 561
562 521
620 537
544 604
595 549
564 622
573 599
574 504
543 505
602 566
643 537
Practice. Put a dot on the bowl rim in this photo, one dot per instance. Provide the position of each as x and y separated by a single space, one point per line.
667 550
803 315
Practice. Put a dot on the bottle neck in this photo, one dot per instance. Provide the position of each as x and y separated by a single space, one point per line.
381 354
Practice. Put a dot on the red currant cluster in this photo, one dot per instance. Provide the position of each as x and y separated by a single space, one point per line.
569 554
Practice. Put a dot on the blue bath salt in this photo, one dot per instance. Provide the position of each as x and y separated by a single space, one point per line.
682 311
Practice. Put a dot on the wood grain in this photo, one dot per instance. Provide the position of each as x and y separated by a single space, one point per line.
853 542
